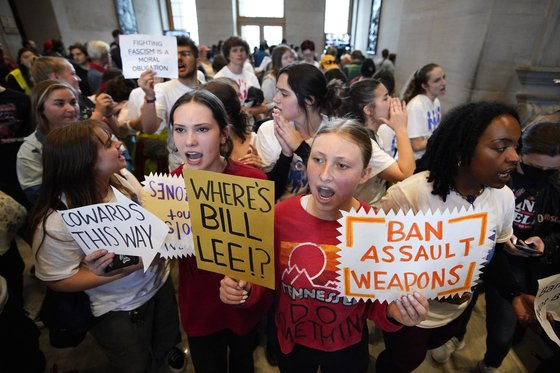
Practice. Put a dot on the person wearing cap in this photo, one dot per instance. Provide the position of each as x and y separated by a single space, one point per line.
328 62
204 62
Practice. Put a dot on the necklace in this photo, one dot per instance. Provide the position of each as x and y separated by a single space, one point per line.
470 198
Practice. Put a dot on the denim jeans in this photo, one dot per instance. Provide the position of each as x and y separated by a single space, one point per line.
139 340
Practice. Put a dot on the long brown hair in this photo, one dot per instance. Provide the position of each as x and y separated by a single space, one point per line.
414 84
69 158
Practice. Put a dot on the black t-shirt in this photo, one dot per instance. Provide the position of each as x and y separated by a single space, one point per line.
525 200
84 85
15 115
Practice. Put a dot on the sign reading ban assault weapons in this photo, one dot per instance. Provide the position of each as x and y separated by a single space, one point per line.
440 254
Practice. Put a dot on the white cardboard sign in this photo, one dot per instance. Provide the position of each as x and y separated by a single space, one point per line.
122 227
440 254
149 52
166 197
548 301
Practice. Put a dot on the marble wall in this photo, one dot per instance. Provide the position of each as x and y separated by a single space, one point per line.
485 46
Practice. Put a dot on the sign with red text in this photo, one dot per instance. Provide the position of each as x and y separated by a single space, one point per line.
547 306
232 221
440 254
165 197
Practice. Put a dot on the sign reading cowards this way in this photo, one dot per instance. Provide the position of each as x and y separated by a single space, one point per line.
440 254
232 221
123 227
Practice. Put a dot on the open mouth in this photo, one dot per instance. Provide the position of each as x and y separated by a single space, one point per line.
193 158
505 174
325 193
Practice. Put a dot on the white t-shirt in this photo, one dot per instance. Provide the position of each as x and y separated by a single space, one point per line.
372 190
387 137
423 118
135 102
245 80
415 193
61 257
29 163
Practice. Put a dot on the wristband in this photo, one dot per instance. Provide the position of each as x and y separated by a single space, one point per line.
149 101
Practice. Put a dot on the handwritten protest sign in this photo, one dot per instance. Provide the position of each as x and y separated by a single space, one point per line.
149 52
122 227
547 301
233 225
384 256
165 196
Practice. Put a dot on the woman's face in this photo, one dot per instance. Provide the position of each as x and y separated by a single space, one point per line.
78 56
495 157
308 55
334 170
27 58
286 99
109 155
61 108
287 58
198 137
435 86
68 75
379 107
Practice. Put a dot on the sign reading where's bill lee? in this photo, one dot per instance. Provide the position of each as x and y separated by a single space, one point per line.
140 53
232 220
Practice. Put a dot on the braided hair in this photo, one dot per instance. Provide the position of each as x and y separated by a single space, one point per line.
455 139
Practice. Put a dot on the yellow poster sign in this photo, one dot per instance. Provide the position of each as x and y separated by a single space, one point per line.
232 220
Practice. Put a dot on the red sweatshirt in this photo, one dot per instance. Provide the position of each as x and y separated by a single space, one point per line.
202 312
310 311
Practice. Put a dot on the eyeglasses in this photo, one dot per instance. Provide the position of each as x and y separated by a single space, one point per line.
185 54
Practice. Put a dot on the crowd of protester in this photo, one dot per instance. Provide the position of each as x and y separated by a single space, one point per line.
331 134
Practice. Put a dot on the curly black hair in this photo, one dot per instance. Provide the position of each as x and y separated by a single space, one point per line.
454 140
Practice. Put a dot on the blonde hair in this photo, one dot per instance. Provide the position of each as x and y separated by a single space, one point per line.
43 67
353 131
97 48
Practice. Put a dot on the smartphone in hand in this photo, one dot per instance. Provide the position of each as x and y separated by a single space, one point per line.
527 248
121 261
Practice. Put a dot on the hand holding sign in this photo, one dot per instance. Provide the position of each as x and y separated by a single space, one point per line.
547 306
100 260
384 256
409 310
122 227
